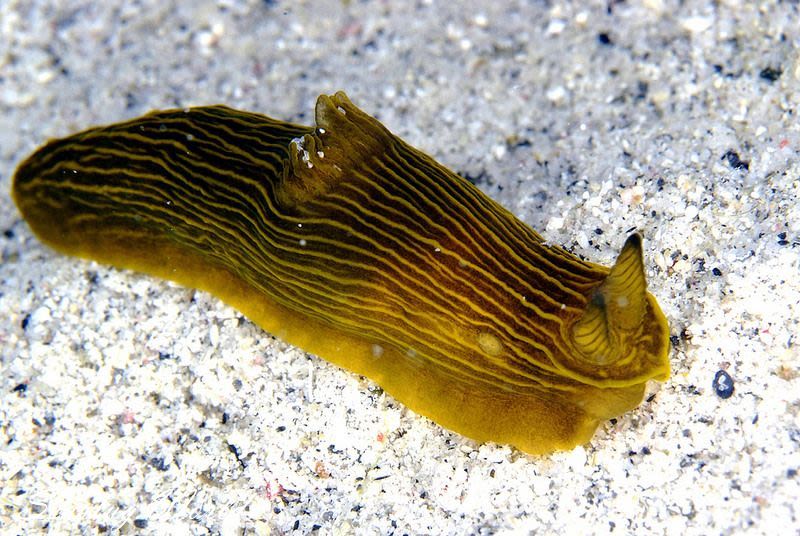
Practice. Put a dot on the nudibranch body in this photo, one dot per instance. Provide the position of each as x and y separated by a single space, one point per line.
349 243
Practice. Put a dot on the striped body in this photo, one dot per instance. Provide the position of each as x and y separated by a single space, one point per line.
355 246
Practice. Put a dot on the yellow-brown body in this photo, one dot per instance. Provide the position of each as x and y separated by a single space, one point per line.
347 242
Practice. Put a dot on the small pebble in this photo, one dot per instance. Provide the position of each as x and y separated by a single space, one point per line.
723 384
770 74
735 161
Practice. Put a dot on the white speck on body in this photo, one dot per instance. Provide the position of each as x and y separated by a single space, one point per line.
304 156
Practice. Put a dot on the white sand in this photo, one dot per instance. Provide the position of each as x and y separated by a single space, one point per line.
131 404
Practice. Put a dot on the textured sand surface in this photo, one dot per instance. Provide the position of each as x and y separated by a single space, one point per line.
130 404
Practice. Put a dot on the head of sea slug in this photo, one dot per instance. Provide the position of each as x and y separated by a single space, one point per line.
622 337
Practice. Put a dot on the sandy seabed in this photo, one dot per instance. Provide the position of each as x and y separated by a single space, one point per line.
130 404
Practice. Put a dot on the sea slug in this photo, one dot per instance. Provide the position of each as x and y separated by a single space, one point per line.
349 243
